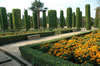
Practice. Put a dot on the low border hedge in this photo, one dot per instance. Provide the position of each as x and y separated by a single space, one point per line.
38 58
66 31
11 39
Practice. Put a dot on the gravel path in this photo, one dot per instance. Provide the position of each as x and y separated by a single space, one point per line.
13 48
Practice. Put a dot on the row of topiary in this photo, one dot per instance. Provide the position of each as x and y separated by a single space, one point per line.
16 24
71 20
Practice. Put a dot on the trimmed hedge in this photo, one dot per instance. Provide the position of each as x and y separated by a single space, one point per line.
38 58
52 19
69 17
16 15
26 20
78 18
3 19
10 21
73 19
34 19
66 31
11 39
88 17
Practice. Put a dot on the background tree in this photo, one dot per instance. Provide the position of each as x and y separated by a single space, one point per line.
37 7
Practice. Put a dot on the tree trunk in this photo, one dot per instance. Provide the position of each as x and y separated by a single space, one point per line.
38 18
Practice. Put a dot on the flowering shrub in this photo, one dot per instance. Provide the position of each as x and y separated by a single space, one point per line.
78 49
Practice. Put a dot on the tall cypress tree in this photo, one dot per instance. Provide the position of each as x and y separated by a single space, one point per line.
44 19
69 17
10 21
62 20
77 17
88 17
3 16
73 19
34 19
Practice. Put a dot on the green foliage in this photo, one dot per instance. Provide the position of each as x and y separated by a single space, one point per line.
66 31
26 20
73 20
69 17
35 25
88 17
99 23
96 23
78 18
3 19
10 21
62 20
16 15
44 20
52 19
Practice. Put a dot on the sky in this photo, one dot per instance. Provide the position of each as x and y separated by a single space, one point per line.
51 4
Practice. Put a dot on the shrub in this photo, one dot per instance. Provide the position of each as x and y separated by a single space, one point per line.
35 25
44 20
16 15
69 17
88 17
52 19
3 19
77 17
10 21
62 20
73 19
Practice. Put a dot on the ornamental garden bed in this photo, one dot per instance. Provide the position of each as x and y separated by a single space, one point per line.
78 50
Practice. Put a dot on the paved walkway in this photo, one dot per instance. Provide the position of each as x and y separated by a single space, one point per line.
13 48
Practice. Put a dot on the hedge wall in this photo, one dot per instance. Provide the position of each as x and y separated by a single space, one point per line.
52 18
3 19
15 38
16 15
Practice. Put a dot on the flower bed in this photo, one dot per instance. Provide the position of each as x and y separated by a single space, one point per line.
78 49
56 52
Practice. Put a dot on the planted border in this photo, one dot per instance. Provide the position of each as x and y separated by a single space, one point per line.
38 58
